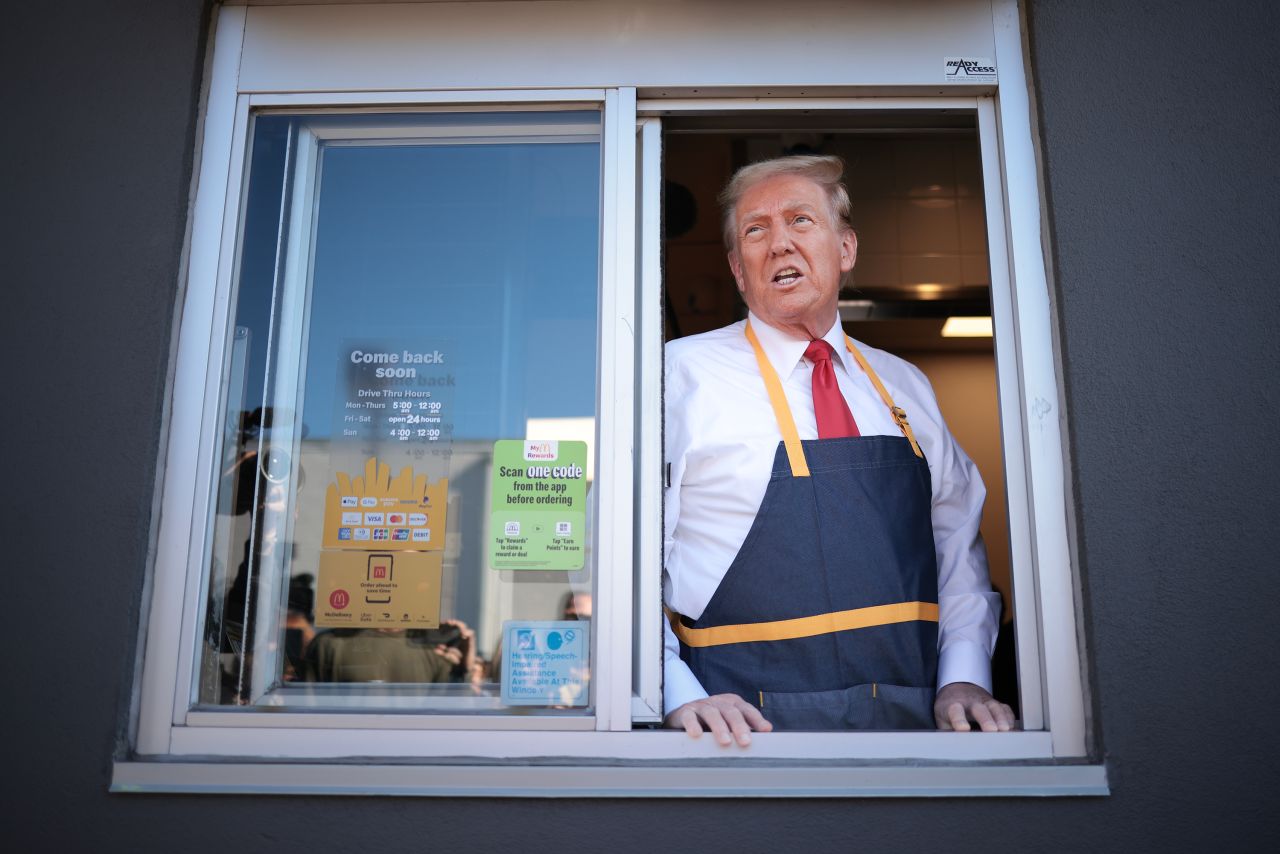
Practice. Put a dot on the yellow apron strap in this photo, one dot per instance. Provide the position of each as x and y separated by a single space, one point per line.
786 424
804 627
899 416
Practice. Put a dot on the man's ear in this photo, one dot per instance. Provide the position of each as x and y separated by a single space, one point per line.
735 265
848 250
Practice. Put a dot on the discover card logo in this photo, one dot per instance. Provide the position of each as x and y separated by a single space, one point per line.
969 69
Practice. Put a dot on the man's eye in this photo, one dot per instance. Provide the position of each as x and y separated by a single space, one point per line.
803 218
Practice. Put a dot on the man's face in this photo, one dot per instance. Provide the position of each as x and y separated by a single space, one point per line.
578 607
791 252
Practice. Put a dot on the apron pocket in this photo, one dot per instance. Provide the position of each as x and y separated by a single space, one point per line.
858 707
903 707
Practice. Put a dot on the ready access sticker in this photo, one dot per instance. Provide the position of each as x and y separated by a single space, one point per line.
538 513
544 663
968 69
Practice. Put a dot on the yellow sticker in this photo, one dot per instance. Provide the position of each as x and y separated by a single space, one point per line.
384 589
376 512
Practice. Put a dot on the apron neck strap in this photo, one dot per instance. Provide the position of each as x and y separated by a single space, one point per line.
782 412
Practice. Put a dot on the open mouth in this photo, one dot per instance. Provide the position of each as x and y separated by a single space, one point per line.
787 276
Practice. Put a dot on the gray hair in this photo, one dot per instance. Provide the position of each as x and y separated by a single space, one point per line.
823 170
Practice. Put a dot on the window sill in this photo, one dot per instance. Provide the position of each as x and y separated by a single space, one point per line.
397 738
576 777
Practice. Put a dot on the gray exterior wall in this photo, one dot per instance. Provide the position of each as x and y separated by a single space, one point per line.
1159 123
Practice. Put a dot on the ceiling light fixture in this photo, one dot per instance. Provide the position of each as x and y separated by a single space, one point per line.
967 327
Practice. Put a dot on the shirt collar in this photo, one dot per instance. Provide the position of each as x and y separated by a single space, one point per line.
785 353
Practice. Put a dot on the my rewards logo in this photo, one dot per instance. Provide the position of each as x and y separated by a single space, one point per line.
543 450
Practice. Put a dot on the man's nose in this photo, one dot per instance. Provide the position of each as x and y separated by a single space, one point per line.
781 237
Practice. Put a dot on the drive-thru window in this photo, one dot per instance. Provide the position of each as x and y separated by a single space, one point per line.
410 534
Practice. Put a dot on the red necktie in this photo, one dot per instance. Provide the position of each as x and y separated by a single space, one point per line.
834 418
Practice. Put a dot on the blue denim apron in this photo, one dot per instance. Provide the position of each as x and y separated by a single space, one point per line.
827 617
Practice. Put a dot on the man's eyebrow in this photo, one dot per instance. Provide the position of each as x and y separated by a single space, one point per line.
786 206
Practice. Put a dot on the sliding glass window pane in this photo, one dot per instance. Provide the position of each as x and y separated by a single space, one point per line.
404 514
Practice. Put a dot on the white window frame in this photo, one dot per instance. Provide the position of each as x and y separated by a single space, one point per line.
167 686
365 753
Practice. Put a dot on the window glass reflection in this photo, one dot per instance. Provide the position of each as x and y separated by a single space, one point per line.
405 489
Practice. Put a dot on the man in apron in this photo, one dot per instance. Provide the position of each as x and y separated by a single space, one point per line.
823 564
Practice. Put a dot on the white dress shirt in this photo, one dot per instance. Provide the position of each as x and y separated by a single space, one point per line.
720 439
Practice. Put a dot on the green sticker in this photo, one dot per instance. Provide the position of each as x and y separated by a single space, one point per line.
539 514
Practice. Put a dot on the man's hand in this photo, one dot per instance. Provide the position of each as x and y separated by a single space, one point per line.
727 716
960 702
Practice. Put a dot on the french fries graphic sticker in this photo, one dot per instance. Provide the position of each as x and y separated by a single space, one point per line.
377 512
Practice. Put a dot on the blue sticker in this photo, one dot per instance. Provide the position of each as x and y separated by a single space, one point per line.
545 663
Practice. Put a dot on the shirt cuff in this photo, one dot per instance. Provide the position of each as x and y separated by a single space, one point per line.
679 686
964 661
